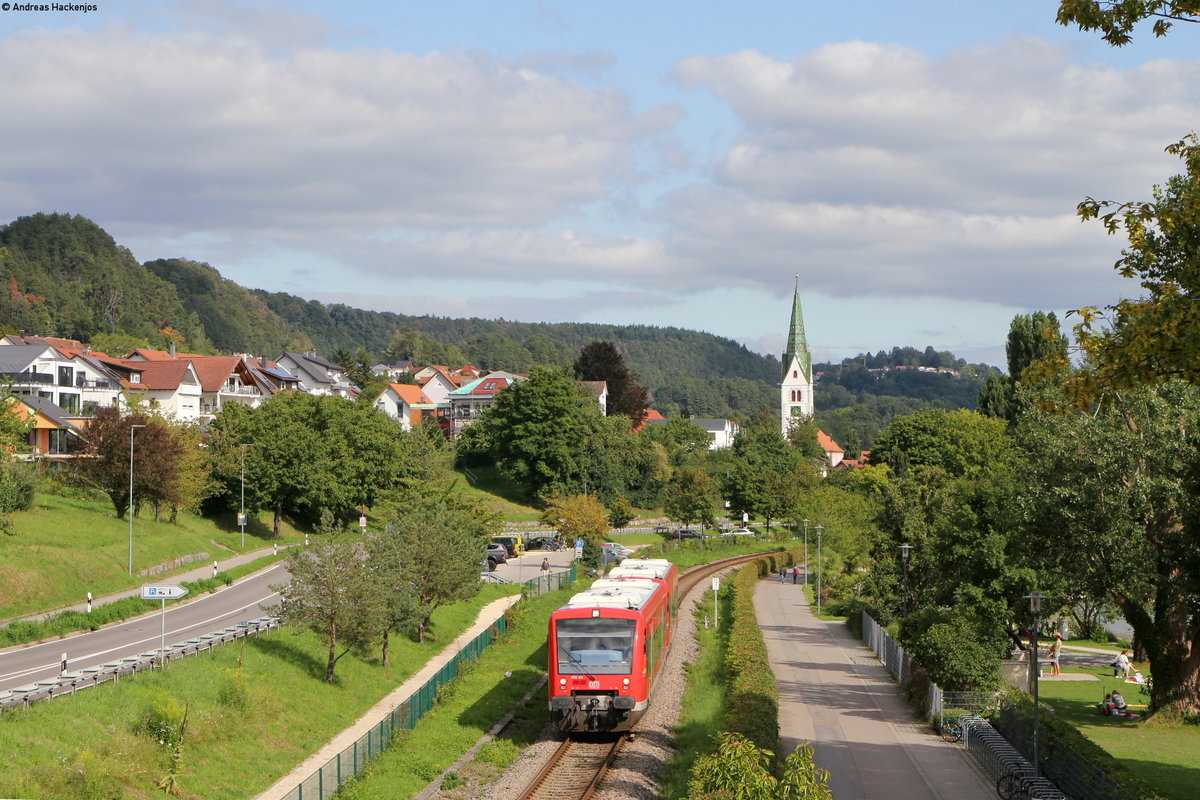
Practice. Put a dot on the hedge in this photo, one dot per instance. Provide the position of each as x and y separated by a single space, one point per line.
753 709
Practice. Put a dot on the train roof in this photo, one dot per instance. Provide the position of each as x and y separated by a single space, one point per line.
614 594
657 568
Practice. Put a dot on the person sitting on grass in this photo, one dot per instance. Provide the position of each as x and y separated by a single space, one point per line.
1106 705
1119 707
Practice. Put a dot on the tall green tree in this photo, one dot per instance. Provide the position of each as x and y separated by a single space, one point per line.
690 497
1034 340
1110 499
437 540
333 593
601 361
537 431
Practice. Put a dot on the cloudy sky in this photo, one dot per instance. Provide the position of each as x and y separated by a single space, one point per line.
917 165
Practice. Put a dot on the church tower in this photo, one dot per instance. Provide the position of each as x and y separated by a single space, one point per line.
796 388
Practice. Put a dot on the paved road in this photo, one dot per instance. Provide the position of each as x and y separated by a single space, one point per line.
835 694
206 613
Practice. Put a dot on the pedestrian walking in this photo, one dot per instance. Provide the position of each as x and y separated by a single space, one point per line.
1055 648
545 566
795 574
783 574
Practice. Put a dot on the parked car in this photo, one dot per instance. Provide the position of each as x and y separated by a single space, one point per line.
663 530
515 544
496 554
737 532
612 552
686 533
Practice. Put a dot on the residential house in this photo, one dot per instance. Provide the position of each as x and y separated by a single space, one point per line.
224 380
404 402
318 375
437 383
391 370
833 451
721 432
55 434
469 401
173 387
597 388
74 382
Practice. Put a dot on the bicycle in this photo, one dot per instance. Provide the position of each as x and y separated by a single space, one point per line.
951 731
1020 783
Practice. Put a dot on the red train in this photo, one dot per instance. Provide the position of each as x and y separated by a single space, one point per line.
608 645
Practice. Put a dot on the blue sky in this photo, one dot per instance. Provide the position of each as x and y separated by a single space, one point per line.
916 165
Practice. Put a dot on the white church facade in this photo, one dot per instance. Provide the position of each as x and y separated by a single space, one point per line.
796 386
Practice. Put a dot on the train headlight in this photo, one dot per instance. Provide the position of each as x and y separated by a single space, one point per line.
562 682
625 682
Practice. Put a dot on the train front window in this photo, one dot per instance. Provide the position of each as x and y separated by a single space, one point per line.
595 646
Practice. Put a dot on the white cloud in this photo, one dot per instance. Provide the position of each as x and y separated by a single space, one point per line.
876 169
190 132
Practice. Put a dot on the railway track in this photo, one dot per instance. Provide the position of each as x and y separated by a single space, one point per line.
577 767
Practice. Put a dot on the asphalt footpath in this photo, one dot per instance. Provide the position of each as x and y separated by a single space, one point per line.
834 694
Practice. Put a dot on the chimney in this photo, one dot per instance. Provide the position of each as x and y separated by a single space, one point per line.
171 349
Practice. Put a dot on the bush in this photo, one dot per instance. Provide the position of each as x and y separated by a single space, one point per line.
18 482
955 662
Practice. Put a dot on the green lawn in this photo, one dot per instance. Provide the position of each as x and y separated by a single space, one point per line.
65 547
1162 754
255 710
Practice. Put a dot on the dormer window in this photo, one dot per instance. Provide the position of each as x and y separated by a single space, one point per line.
135 377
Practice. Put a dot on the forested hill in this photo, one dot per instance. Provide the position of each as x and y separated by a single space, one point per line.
859 396
65 276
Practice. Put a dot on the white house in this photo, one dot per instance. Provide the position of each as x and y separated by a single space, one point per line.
403 402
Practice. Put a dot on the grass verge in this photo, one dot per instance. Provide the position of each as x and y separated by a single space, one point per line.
65 547
704 704
1160 752
255 709
467 709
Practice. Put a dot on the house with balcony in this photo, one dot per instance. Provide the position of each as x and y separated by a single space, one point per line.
469 401
318 375
77 383
172 387
54 434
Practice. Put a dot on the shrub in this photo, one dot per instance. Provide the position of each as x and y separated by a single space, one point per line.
18 482
956 662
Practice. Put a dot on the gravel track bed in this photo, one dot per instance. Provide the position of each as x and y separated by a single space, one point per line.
635 773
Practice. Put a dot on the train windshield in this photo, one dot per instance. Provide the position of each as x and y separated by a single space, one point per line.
595 646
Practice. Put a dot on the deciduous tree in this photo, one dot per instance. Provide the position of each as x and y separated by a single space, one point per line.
1116 19
601 361
333 593
156 459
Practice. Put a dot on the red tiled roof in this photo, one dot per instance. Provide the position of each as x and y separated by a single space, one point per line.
161 375
409 393
827 443
213 371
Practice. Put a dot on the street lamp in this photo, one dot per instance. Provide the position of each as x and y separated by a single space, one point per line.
132 428
242 513
1035 599
805 552
904 548
819 529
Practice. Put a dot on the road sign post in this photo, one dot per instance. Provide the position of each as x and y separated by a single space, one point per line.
163 593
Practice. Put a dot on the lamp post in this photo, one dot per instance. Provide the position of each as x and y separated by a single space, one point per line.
819 529
1035 599
806 552
132 428
242 512
904 548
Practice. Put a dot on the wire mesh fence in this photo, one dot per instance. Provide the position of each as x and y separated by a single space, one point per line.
323 783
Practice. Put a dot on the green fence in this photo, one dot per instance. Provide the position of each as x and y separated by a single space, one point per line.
550 582
323 783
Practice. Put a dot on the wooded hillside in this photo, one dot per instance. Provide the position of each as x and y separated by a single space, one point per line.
65 276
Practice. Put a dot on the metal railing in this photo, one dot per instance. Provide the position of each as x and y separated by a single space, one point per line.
551 582
68 683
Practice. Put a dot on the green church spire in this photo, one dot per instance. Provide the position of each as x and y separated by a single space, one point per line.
797 343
